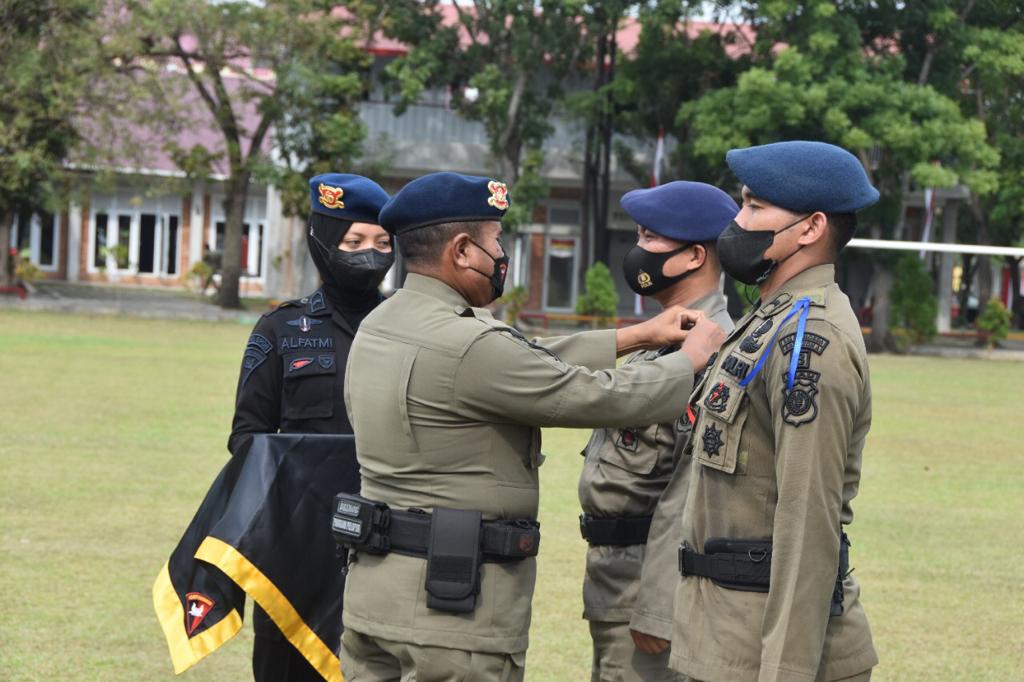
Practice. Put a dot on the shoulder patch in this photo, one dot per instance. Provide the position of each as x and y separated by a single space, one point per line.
800 406
260 342
317 302
256 351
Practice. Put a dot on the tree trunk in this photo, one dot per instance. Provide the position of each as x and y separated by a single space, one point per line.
231 263
6 271
881 336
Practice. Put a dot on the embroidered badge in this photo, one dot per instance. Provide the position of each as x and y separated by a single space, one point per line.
712 440
644 280
325 361
199 606
316 302
304 323
628 439
331 196
292 343
800 406
816 343
736 367
718 398
298 364
752 344
255 353
499 195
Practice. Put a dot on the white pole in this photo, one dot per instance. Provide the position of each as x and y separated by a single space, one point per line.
935 246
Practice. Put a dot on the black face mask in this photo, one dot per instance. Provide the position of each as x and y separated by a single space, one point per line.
354 272
741 252
497 275
643 270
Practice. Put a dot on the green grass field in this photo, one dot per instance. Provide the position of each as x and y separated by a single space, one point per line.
112 430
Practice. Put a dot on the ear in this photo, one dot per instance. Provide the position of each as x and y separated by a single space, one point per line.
700 256
814 230
459 250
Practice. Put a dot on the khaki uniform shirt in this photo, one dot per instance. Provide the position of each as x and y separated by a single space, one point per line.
625 473
446 403
770 462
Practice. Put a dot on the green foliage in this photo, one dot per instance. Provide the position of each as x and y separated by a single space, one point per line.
25 270
528 190
994 321
513 301
117 252
913 302
601 298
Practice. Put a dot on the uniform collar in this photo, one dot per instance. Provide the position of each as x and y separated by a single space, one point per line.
435 288
711 303
817 277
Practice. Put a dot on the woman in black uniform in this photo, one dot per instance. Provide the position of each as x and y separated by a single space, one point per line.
293 371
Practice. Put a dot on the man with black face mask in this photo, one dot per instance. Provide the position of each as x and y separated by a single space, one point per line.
292 376
628 470
447 428
779 424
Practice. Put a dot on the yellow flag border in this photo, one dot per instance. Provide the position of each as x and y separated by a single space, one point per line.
265 593
187 651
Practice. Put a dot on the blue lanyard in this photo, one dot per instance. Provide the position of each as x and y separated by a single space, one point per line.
801 308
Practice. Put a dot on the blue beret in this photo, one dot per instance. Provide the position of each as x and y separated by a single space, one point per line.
444 198
804 176
681 210
346 197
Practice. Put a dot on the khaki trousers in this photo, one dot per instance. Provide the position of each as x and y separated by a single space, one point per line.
372 659
616 658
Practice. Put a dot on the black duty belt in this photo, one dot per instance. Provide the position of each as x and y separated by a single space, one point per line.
617 531
746 565
455 542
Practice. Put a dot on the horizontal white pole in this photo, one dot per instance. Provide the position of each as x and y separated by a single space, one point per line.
937 246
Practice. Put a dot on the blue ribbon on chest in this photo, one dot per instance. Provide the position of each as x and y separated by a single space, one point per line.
802 308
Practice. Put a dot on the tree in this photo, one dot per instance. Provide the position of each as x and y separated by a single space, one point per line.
47 55
242 68
507 63
828 84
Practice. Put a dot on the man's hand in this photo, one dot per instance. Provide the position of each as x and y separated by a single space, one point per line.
665 329
649 644
703 339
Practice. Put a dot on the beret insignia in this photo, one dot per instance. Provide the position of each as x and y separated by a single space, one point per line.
499 195
331 196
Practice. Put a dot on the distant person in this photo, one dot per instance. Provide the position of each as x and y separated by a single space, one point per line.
627 470
781 417
293 372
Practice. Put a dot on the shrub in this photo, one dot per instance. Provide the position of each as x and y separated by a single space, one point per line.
913 305
994 322
513 302
601 297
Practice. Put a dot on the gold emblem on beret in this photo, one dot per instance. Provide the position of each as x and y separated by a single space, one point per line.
499 195
644 280
331 196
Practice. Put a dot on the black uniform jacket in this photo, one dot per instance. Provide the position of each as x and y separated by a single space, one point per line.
293 373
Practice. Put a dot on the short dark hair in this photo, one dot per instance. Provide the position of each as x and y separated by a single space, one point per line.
425 245
841 228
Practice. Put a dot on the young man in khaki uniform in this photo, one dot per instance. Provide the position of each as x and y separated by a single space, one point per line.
780 419
626 470
446 403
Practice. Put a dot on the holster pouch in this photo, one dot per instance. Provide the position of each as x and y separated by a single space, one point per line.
751 571
453 560
844 570
361 524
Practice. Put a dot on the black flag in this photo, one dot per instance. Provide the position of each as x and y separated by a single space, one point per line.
263 530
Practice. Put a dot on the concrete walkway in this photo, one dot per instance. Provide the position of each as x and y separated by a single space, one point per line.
90 299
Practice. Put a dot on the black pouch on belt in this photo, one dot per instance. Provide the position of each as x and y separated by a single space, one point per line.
742 564
453 560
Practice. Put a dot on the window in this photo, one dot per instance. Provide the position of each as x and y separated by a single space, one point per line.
560 279
36 232
99 260
147 243
171 246
563 215
143 230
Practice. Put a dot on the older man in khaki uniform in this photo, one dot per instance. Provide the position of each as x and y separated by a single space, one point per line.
780 420
446 403
626 471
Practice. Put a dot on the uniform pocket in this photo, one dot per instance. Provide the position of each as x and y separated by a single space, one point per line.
308 391
635 449
716 436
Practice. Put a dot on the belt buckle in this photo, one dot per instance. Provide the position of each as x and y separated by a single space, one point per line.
681 552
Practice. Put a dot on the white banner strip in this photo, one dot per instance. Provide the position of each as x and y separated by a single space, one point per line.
936 246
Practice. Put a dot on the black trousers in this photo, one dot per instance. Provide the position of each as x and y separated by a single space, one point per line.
274 659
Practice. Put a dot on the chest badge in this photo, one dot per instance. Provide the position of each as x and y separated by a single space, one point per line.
718 398
712 440
325 361
752 343
298 364
304 323
628 439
